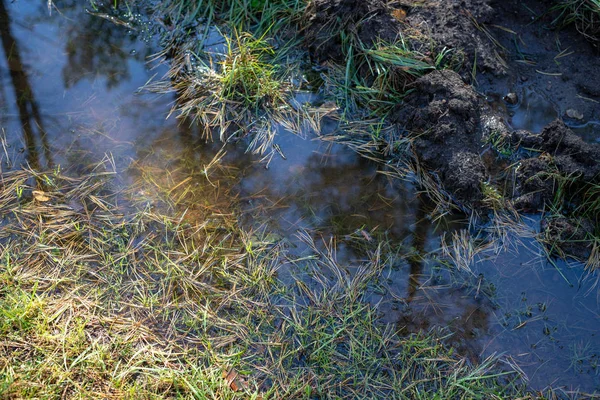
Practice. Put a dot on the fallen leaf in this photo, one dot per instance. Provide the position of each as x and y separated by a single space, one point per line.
234 381
40 196
399 14
545 157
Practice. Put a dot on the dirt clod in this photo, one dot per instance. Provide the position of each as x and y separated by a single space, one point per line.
367 20
464 175
445 112
572 155
568 236
460 25
571 113
511 98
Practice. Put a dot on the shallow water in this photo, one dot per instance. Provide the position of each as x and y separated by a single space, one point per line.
533 111
69 94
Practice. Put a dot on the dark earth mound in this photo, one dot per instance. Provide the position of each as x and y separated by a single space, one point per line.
425 25
444 111
367 20
458 25
563 156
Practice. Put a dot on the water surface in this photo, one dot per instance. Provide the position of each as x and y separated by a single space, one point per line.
69 95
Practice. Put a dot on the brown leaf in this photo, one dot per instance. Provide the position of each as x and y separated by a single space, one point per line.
399 14
40 196
234 380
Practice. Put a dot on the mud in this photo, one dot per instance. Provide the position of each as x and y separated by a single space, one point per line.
369 20
563 155
504 47
457 25
568 236
423 26
445 112
560 65
454 128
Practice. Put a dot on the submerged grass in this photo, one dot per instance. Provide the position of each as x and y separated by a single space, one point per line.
153 294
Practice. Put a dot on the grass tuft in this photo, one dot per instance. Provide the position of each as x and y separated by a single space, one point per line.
584 14
232 64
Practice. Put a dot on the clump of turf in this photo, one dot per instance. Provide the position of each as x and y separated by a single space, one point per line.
239 91
243 85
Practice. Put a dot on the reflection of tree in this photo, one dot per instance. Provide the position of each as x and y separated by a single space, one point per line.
96 46
185 129
419 239
3 103
29 114
446 306
332 190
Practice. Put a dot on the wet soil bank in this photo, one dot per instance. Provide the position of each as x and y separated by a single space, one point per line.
502 49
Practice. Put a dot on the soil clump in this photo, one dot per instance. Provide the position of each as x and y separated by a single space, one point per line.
444 110
458 25
368 21
422 26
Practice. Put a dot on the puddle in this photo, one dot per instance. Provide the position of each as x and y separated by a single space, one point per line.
68 95
76 76
531 112
589 131
548 315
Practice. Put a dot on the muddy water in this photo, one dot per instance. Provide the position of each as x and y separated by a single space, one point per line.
533 111
68 96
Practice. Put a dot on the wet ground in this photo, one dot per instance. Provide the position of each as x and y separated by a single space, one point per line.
69 95
560 65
